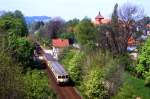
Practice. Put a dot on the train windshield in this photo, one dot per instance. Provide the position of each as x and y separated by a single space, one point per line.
59 76
67 76
63 77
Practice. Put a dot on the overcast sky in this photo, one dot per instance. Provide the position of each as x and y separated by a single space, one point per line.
68 9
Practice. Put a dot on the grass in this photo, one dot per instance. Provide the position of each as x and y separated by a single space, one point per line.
133 88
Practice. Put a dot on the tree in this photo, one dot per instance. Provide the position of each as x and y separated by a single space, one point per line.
85 32
18 14
38 25
71 24
109 36
128 15
55 27
23 51
11 81
121 29
13 24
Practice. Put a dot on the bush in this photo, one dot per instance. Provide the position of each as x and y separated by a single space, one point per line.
37 85
93 86
132 88
144 58
11 80
147 78
74 67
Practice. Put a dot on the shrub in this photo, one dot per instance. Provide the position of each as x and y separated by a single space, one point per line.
147 78
93 86
37 85
74 67
140 70
144 58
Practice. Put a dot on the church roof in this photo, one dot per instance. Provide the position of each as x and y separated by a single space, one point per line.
99 16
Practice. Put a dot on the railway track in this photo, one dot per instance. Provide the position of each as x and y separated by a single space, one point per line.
63 92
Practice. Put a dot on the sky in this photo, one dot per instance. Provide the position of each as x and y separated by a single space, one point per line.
68 9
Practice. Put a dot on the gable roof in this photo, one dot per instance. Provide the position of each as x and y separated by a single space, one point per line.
60 42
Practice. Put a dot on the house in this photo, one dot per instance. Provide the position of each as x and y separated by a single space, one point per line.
132 45
131 41
58 45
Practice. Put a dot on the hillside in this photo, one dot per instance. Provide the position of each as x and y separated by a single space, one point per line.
32 19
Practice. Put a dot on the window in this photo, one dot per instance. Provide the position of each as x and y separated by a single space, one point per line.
67 76
59 77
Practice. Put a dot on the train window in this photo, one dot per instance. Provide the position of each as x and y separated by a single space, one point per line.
63 76
67 76
59 76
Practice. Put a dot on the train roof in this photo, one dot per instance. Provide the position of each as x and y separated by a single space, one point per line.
55 64
58 68
49 57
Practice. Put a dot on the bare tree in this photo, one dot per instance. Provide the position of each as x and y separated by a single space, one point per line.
130 12
116 35
128 15
55 27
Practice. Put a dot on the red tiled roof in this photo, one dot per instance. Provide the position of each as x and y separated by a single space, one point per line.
60 42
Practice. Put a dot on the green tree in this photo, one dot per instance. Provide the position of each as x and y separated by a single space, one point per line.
85 32
71 24
23 51
37 85
11 81
14 24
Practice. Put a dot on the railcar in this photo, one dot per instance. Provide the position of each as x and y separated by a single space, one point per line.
60 74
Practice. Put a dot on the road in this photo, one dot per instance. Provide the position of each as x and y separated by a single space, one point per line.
64 92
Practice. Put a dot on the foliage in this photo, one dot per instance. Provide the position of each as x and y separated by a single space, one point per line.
147 78
66 55
22 50
37 25
144 58
132 88
93 86
72 60
71 24
11 81
85 31
14 84
69 36
74 67
15 27
37 85
13 23
55 27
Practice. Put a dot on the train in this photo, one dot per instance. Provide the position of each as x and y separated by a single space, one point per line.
57 69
